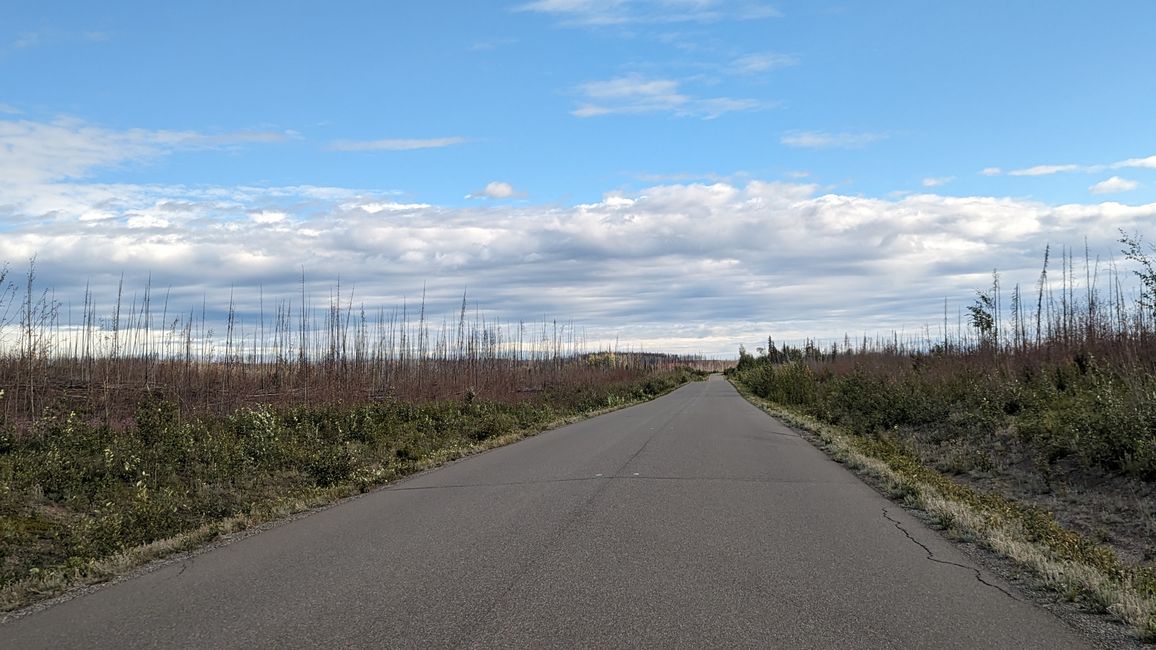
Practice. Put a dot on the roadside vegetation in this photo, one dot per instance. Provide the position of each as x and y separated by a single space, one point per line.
122 441
1031 430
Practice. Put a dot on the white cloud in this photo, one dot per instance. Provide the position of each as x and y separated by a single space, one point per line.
991 171
638 94
8 109
1044 170
50 38
1113 185
757 11
373 207
396 144
267 216
65 148
633 94
602 13
763 62
937 182
1137 163
496 190
826 140
146 220
713 107
664 91
589 12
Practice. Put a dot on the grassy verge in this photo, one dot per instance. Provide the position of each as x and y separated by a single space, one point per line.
81 502
1075 566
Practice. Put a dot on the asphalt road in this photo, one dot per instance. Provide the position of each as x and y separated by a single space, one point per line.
691 521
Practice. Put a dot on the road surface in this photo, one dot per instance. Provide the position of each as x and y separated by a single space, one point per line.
691 521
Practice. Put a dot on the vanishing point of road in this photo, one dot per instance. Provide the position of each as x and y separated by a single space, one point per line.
691 521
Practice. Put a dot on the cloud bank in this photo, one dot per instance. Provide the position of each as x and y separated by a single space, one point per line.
689 267
690 264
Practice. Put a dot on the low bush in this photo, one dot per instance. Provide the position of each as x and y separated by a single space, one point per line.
1099 415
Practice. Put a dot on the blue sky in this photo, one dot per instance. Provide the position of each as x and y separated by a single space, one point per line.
683 174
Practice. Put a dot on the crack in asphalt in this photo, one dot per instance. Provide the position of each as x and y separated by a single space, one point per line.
931 556
185 564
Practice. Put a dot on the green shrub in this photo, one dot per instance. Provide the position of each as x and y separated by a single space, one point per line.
330 466
1103 417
